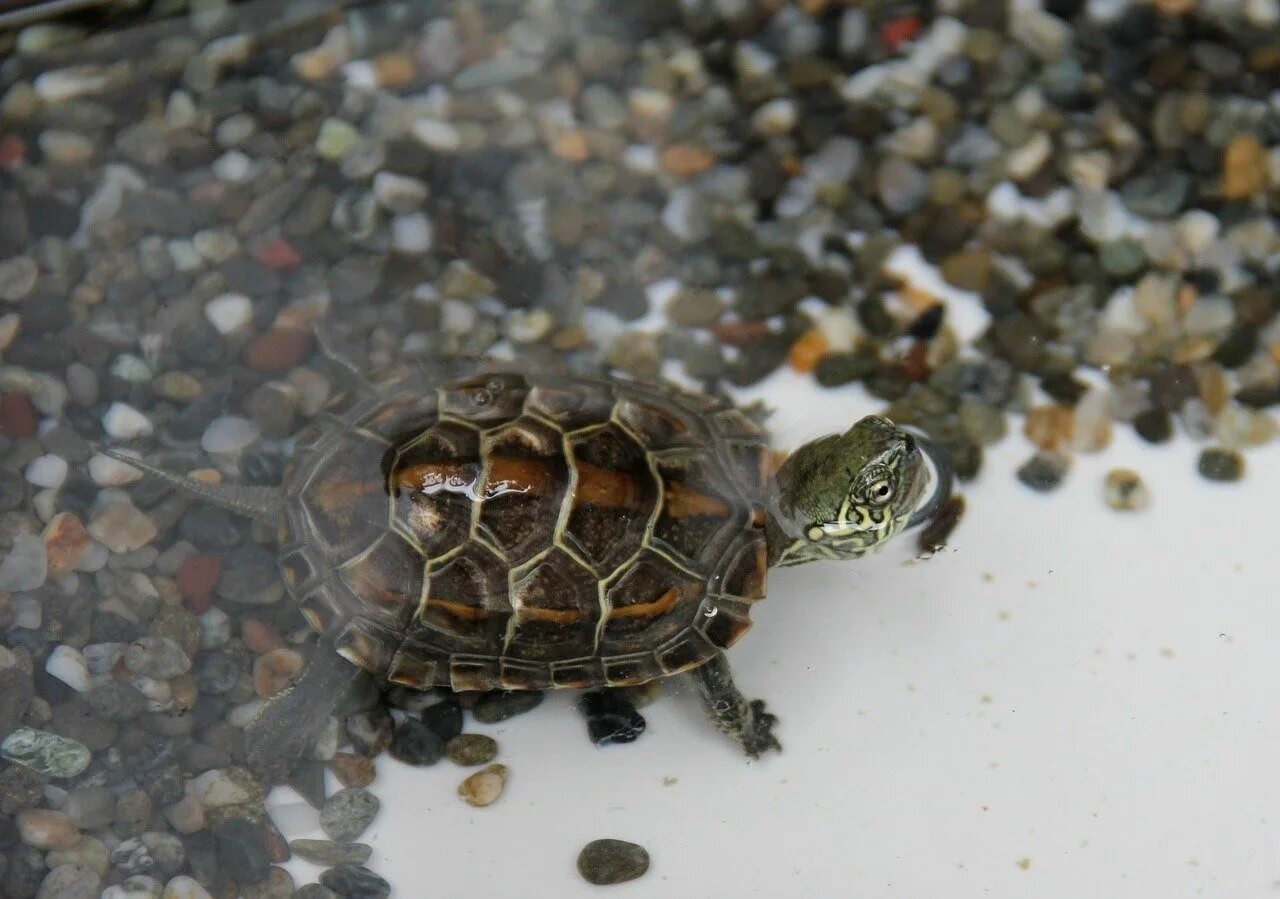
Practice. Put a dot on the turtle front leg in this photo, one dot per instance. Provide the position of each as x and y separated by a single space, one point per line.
731 712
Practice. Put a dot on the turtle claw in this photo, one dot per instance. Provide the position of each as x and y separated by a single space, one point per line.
757 733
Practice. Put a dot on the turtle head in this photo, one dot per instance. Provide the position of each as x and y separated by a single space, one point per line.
841 496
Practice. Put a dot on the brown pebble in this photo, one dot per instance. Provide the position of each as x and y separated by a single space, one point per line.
1244 167
275 670
66 542
485 786
47 829
278 350
259 636
353 770
1049 427
687 160
17 416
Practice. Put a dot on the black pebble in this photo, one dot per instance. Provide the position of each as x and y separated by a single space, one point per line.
1153 426
355 882
926 325
1218 464
611 717
1259 397
1063 387
1044 471
444 719
415 744
242 850
499 706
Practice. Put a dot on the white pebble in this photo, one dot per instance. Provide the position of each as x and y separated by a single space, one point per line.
229 435
124 422
776 117
107 472
1196 229
47 471
215 628
399 194
233 167
68 665
229 312
437 135
184 887
1262 13
25 567
65 84
411 233
27 612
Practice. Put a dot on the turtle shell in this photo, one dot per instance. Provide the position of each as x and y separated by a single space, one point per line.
522 531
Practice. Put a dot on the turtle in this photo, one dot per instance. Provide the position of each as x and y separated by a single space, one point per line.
513 530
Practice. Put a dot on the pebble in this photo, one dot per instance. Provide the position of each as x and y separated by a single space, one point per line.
353 770
437 135
124 422
347 814
158 657
611 718
606 862
229 435
469 750
336 139
26 565
275 670
416 744
121 528
184 887
1124 491
18 277
46 753
485 786
327 852
229 313
444 719
70 882
278 350
242 850
46 829
68 665
1044 471
499 705
399 194
1217 464
355 882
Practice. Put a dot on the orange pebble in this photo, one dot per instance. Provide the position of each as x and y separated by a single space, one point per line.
808 351
687 160
572 146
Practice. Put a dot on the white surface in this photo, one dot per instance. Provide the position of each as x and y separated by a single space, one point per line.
1087 691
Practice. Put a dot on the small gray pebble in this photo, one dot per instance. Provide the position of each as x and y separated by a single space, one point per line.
327 852
347 813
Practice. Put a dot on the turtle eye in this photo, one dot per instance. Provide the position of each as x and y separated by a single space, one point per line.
880 491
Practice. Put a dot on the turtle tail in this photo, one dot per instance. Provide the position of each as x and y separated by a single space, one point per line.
263 504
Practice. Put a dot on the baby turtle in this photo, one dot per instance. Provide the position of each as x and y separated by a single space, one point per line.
521 531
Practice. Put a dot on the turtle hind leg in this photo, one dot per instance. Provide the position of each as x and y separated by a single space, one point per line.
286 728
746 721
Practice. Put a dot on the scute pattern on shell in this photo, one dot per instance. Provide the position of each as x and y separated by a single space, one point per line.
523 531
